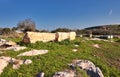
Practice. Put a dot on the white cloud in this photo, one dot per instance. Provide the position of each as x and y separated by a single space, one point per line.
110 12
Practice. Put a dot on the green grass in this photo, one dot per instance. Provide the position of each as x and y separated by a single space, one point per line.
60 55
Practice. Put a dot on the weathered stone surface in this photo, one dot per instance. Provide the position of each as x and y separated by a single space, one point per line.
74 50
72 35
26 38
5 44
68 73
16 48
4 61
62 36
32 37
66 35
2 41
27 61
98 39
10 43
90 68
76 45
17 63
3 64
96 46
33 52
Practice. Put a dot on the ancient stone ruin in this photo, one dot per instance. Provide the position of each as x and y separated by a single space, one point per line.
32 37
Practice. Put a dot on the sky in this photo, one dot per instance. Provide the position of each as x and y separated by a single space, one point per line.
52 14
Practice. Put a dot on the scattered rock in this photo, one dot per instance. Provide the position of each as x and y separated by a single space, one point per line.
96 46
75 50
27 61
17 63
40 74
83 41
90 68
11 43
4 61
4 42
16 48
72 66
96 39
33 52
3 64
68 73
76 45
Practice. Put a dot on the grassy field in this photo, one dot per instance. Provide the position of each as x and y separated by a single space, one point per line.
60 54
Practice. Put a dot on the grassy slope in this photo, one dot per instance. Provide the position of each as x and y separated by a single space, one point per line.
60 55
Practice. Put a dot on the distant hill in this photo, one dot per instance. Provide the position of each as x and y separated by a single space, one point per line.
103 29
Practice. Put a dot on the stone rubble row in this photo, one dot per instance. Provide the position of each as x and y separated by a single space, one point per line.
86 65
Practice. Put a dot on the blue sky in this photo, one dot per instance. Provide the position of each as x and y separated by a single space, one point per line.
51 14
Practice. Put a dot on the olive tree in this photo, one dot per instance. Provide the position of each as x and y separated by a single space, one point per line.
26 25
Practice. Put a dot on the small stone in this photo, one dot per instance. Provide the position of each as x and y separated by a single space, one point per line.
96 46
27 62
74 50
76 45
40 74
72 66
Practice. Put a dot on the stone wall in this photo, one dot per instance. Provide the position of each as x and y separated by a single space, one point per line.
66 35
32 37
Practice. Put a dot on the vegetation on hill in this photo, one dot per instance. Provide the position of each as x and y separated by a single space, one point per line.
101 30
9 32
27 25
61 30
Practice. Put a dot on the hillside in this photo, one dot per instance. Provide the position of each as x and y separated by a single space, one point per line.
103 29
